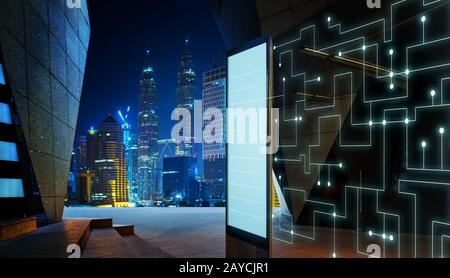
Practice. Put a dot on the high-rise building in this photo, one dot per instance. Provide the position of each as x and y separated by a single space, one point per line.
126 131
83 166
85 182
214 97
133 167
72 179
80 154
166 148
91 154
148 134
111 186
185 93
177 177
44 46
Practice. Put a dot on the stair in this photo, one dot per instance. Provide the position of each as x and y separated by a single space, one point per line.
14 228
108 243
98 235
101 223
124 230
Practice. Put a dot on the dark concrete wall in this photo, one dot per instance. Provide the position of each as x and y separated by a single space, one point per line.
45 44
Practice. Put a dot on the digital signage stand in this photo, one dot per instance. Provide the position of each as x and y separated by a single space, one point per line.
249 162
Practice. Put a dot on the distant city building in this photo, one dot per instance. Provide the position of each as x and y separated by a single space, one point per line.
71 180
85 182
111 186
185 93
133 167
91 149
177 175
148 135
83 167
214 96
126 132
166 148
80 154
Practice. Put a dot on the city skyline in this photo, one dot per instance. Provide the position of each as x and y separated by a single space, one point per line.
146 177
114 67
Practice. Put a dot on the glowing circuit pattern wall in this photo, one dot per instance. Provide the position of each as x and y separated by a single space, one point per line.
365 130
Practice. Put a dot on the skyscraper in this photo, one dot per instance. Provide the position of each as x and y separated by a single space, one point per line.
177 175
185 93
91 149
126 132
148 134
110 187
133 167
80 164
214 94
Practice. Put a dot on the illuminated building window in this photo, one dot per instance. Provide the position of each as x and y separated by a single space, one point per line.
8 152
2 76
11 188
5 114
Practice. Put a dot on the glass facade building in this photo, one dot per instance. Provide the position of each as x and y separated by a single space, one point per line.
110 187
214 97
185 93
44 45
148 122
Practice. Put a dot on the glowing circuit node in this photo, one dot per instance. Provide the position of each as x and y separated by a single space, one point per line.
424 144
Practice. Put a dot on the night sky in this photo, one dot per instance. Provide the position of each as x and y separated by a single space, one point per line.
121 31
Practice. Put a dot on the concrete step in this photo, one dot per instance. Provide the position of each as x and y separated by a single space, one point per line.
101 223
108 243
124 230
10 229
48 242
